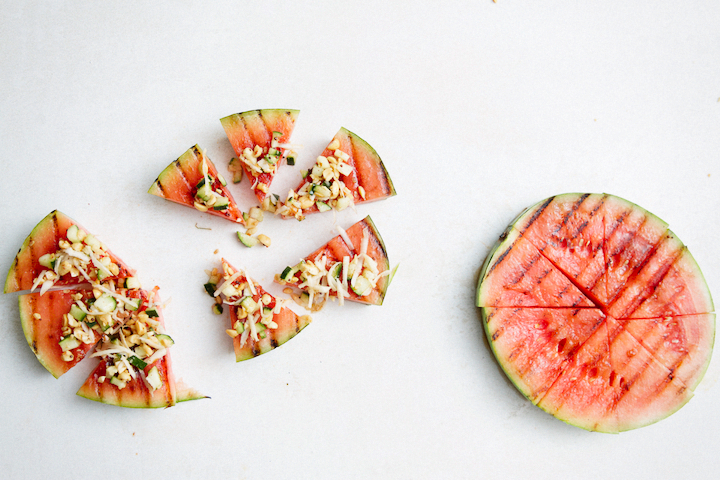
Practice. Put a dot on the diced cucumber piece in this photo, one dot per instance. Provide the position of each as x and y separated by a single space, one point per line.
322 206
204 193
362 287
259 327
117 382
210 288
276 134
336 270
91 241
223 182
288 273
153 378
217 309
239 327
77 313
136 362
221 203
305 299
165 340
132 282
152 312
201 182
47 260
102 274
248 304
133 305
247 240
69 343
72 234
342 203
290 160
105 303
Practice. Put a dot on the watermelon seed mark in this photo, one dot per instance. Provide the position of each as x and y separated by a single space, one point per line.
613 375
561 345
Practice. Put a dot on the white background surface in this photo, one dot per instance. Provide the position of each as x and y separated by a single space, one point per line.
477 109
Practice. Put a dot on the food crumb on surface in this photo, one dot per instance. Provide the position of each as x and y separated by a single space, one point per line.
216 251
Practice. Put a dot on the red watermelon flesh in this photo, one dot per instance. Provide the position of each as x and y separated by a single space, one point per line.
582 395
179 181
647 390
41 317
516 274
255 128
365 178
538 344
568 230
44 239
656 330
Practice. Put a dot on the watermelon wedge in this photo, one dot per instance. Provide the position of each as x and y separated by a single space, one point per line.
43 318
260 140
60 252
135 370
353 266
259 322
597 312
192 180
348 172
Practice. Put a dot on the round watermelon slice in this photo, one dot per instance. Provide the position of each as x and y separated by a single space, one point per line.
597 312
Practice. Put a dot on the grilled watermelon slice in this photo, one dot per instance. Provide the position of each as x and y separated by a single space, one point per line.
634 346
153 385
266 134
352 266
192 180
258 321
348 172
43 242
41 317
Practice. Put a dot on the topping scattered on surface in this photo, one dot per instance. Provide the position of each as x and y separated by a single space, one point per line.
323 188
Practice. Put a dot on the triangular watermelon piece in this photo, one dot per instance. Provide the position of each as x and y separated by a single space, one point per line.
193 180
258 321
348 172
352 266
60 250
516 274
259 138
149 381
43 318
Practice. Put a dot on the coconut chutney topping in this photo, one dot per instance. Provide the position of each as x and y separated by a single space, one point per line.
254 309
79 255
321 279
261 160
209 194
114 311
323 187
